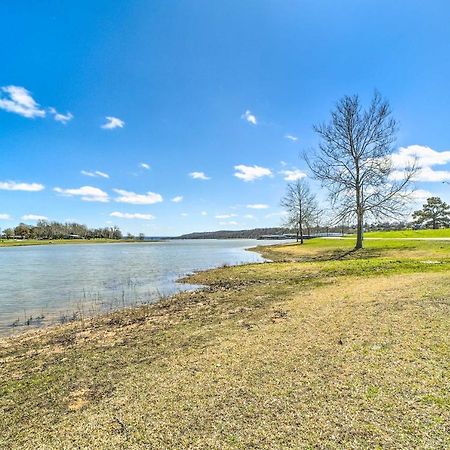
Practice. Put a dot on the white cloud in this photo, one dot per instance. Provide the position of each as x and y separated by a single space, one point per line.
184 214
63 118
95 173
276 214
15 186
258 206
18 100
178 199
199 176
148 198
225 216
86 193
140 216
422 155
293 175
291 137
250 173
425 158
112 122
426 174
34 217
249 117
5 216
231 222
144 166
421 194
204 213
249 216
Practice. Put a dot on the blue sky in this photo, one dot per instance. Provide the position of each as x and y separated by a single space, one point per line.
193 89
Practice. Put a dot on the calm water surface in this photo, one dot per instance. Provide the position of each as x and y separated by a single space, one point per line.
47 284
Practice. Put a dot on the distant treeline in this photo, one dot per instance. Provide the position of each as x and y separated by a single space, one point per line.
230 234
316 230
56 230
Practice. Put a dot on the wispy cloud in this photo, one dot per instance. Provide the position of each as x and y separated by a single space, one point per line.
95 173
225 216
249 216
17 186
421 195
148 198
293 175
421 155
59 117
184 214
178 199
249 117
291 137
199 176
203 213
34 217
18 100
426 174
231 222
425 158
258 206
4 216
250 173
276 214
144 165
86 193
139 216
113 122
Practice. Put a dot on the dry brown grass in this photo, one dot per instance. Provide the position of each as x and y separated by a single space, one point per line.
271 356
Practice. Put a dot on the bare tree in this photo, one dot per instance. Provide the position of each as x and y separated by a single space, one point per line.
301 207
354 163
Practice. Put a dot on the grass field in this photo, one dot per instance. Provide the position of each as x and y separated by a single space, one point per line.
323 348
441 233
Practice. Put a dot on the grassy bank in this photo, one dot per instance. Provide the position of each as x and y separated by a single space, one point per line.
26 242
324 348
433 234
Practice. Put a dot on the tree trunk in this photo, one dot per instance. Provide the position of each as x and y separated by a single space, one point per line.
359 231
301 234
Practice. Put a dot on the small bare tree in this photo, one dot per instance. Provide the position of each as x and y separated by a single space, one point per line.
354 163
301 207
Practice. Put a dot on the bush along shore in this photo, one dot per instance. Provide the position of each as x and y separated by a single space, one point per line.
324 347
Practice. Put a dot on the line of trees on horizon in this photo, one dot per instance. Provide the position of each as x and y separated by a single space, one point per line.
57 230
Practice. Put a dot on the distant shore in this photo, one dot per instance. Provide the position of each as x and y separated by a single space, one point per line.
28 242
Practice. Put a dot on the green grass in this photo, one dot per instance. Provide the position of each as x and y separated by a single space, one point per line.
441 233
324 348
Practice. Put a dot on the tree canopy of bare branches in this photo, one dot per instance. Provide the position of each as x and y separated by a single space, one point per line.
354 163
301 207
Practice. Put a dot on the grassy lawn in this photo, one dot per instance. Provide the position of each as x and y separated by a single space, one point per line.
441 233
25 242
323 348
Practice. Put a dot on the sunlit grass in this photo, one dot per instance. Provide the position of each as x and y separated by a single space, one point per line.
441 233
325 348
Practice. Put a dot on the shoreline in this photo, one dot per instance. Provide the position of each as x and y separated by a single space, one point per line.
315 347
35 242
78 315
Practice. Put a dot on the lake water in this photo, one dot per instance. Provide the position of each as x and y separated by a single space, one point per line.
49 284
